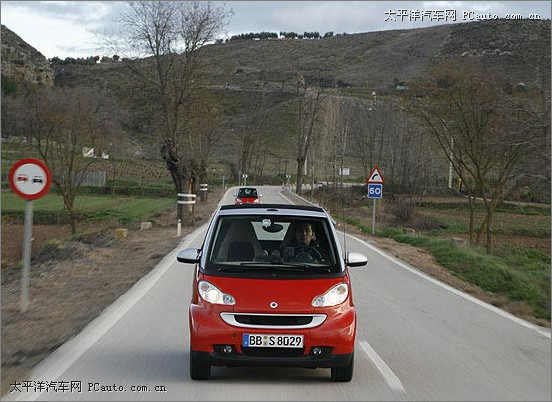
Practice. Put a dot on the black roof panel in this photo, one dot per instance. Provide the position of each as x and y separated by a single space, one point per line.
273 206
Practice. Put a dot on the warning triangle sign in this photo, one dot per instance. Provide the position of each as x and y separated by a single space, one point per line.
375 176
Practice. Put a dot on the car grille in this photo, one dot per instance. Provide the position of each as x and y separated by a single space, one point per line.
272 352
273 321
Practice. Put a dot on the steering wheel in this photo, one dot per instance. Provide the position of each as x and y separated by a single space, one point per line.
307 254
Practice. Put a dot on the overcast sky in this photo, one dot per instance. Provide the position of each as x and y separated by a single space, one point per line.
65 28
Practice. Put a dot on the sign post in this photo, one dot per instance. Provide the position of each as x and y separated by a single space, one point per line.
375 190
29 179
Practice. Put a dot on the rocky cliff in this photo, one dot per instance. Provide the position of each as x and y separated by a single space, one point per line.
22 62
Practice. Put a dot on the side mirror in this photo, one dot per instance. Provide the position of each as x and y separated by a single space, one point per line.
188 255
355 259
260 195
235 195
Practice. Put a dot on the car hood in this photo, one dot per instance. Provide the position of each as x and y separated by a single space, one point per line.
256 295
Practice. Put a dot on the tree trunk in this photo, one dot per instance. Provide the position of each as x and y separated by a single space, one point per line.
300 167
489 244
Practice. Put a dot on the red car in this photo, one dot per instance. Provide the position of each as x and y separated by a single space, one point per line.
247 195
271 288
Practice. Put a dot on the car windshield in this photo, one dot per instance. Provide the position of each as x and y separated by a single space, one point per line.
289 245
247 192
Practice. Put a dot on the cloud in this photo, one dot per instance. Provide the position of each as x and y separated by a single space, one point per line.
82 12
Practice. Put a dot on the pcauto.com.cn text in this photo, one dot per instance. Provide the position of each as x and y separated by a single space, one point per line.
79 387
451 15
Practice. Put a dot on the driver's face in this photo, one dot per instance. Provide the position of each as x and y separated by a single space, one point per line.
303 233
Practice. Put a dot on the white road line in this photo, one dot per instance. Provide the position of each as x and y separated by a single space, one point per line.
466 296
68 353
390 377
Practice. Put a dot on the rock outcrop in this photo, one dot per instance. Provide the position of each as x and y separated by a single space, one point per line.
22 62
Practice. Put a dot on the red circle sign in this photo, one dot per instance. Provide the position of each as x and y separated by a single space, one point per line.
30 178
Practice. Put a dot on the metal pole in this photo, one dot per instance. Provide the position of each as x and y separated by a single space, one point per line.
28 228
374 217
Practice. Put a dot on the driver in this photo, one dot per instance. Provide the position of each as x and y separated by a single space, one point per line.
304 235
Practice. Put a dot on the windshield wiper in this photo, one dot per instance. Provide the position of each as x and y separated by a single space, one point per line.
296 266
258 267
235 269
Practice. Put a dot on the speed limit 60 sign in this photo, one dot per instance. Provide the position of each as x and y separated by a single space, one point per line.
30 178
375 190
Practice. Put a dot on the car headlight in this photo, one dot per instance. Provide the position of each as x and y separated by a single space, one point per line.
334 296
211 294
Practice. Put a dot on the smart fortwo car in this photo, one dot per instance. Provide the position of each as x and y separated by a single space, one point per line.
247 195
271 288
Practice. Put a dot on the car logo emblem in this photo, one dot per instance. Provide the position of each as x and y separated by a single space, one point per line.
273 304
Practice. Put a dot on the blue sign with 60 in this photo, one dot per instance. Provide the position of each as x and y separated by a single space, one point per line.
375 190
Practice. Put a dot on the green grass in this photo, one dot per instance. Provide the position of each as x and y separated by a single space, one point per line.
92 208
519 274
543 210
511 223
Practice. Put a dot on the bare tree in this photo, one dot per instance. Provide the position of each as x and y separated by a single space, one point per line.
310 102
249 134
63 122
205 125
483 128
172 34
328 140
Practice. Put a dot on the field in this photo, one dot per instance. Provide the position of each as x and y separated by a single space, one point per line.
518 271
50 219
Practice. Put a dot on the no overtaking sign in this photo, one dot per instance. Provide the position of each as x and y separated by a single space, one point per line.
30 178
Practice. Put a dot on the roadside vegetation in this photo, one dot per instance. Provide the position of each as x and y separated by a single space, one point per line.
90 208
519 268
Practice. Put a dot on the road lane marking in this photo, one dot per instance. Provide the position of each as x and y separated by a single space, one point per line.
390 377
68 353
466 296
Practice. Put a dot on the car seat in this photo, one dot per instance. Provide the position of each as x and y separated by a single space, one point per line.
240 231
240 251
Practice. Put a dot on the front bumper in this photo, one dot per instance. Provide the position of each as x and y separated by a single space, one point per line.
335 338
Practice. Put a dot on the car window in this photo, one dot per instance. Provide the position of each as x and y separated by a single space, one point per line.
258 243
247 192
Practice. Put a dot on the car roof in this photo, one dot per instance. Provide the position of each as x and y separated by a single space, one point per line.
272 209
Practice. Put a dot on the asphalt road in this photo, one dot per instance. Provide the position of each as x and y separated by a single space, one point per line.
417 339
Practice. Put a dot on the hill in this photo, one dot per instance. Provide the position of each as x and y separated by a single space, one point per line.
246 74
515 49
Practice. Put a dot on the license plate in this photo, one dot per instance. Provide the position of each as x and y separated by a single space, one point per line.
272 341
